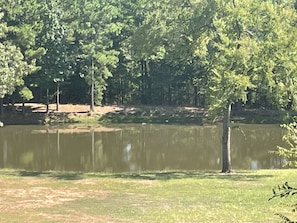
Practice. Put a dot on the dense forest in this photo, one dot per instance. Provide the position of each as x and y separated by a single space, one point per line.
171 52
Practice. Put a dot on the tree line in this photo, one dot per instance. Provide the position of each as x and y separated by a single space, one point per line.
178 52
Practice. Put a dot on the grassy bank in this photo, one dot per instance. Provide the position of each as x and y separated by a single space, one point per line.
147 197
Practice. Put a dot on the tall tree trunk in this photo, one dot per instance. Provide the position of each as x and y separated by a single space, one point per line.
122 96
58 96
143 81
13 109
92 105
169 94
148 83
196 99
1 107
226 155
23 107
47 101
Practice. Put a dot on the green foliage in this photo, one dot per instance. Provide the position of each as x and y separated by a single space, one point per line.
12 68
20 25
26 93
240 40
168 52
13 64
23 24
55 63
284 191
289 153
90 25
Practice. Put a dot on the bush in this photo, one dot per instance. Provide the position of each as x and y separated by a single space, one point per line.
290 138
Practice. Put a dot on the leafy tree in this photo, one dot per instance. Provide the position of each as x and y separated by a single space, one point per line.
289 152
162 53
289 155
23 24
56 62
13 69
235 45
122 86
91 24
13 66
226 47
289 158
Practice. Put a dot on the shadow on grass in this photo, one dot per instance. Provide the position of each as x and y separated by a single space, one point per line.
168 175
155 175
56 175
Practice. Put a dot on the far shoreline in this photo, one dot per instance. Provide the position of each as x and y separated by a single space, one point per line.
35 114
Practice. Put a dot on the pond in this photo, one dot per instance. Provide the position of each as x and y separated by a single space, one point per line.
124 148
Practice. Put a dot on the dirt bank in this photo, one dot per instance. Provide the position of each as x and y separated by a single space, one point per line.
75 113
35 113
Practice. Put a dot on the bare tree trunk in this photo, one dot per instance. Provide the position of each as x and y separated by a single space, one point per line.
58 96
1 107
47 101
92 105
13 108
143 82
23 107
226 155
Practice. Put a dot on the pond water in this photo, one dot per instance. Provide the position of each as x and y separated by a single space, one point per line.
125 148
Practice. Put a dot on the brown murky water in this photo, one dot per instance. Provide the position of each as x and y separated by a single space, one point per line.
125 148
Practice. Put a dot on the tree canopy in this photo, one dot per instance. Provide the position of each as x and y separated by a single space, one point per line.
13 65
181 52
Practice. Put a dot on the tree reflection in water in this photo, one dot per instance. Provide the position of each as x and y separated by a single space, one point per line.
125 148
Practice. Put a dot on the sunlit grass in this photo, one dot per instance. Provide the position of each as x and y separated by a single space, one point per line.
145 197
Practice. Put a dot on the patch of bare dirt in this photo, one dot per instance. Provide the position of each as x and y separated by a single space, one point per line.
102 110
36 197
28 196
41 197
72 108
35 113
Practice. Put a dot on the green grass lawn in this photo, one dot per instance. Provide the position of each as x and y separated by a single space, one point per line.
147 197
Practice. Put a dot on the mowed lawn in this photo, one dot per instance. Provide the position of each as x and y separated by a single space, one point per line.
176 196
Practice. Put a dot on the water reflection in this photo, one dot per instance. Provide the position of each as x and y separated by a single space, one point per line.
135 148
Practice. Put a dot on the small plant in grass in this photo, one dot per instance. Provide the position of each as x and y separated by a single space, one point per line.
289 154
285 191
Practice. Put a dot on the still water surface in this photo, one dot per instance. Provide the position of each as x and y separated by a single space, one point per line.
125 148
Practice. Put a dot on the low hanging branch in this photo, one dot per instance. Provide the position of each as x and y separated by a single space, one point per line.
284 191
